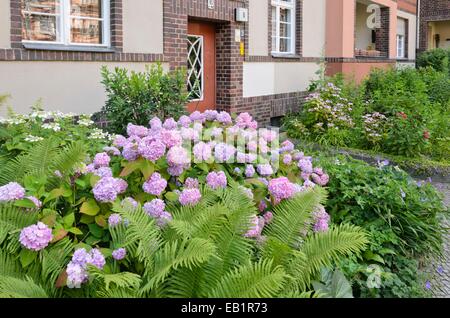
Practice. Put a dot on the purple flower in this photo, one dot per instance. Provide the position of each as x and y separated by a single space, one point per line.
281 188
224 152
216 180
197 116
244 120
81 257
249 171
297 156
155 208
130 151
164 219
119 141
114 220
119 254
97 258
112 151
428 285
129 201
262 206
224 118
256 227
176 171
287 146
156 124
268 217
12 191
320 180
155 185
170 124
178 156
190 197
287 159
103 172
202 152
151 149
36 201
140 131
440 270
320 219
191 183
121 185
171 138
265 169
305 166
211 115
184 121
36 237
76 275
107 189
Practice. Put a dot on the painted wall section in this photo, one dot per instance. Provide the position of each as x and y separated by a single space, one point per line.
356 71
314 14
143 26
65 86
340 28
258 28
262 79
5 24
412 30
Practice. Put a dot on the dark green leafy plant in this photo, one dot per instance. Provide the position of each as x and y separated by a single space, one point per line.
402 217
138 96
438 59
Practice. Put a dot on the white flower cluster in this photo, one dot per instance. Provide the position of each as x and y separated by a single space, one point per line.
374 125
52 126
31 138
98 134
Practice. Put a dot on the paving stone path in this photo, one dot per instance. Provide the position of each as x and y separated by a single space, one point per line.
440 284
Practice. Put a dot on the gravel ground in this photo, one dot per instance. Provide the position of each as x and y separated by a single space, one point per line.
440 284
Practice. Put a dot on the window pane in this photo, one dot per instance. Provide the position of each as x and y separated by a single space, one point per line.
42 6
39 28
86 31
285 45
285 30
285 15
86 8
274 28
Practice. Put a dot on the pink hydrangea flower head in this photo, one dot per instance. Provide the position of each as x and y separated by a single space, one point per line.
184 121
36 237
76 275
155 185
211 115
130 151
191 183
120 141
140 131
287 146
216 180
320 180
178 156
268 217
287 159
105 190
114 220
224 152
224 118
190 197
156 124
281 188
11 191
171 138
103 172
198 116
97 258
121 185
202 152
101 160
265 170
305 166
152 150
155 208
256 227
176 170
320 219
170 124
244 120
119 254
262 206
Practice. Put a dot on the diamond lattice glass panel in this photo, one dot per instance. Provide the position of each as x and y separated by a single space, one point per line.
89 8
195 67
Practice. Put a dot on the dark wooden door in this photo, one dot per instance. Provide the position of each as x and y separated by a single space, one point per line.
201 64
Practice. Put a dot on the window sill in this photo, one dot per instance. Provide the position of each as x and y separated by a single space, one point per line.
58 47
286 56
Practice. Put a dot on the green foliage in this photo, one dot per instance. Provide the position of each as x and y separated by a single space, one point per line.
189 259
138 96
402 217
438 59
333 285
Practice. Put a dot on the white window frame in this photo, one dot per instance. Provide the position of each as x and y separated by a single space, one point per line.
401 46
283 4
63 25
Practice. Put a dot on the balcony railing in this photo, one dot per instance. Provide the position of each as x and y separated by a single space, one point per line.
369 54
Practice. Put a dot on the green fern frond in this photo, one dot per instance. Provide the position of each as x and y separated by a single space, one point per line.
256 280
189 254
12 287
54 260
10 266
290 216
123 280
12 220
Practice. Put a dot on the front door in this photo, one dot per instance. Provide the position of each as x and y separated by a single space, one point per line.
201 66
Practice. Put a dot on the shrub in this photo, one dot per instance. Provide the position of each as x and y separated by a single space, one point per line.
401 215
138 96
153 220
438 59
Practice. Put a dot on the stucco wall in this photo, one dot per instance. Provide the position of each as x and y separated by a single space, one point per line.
443 29
412 30
143 26
5 24
314 15
277 78
66 86
258 28
356 71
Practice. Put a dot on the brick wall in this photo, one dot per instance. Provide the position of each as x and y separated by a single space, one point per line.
431 10
382 38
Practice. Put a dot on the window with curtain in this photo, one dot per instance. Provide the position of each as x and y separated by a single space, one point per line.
66 22
283 26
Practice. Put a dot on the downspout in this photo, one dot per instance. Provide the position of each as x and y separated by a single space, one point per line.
417 27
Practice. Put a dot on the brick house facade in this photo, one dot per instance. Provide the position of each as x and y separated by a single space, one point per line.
434 23
262 65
